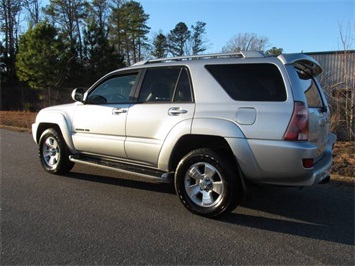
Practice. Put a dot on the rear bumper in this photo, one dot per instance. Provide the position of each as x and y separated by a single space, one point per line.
280 162
322 169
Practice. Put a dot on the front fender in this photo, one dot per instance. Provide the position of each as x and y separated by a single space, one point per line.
52 118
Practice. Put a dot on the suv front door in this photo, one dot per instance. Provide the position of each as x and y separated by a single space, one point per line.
165 100
99 124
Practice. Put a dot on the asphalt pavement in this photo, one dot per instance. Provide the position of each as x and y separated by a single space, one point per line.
96 217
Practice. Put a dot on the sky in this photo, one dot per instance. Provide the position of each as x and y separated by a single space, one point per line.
294 25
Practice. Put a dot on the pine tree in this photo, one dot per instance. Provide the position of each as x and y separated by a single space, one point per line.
68 16
101 57
9 14
178 38
197 38
160 46
41 60
129 30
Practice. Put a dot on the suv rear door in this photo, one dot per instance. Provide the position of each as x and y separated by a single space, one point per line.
302 70
164 101
319 116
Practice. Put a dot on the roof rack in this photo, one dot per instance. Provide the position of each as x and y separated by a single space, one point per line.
241 54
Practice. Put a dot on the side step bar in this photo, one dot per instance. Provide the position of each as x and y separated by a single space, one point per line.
124 168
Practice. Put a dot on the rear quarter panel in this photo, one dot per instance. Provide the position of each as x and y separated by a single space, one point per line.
271 118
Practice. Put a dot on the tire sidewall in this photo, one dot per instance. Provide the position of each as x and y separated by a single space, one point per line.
210 157
63 164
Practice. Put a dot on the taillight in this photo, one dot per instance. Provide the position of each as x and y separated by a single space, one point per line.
307 163
299 124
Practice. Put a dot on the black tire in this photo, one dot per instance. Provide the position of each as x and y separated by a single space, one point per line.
53 152
208 183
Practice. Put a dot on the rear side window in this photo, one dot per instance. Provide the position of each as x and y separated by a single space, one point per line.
250 82
314 98
166 85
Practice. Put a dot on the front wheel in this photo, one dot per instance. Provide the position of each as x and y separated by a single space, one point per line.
53 152
207 183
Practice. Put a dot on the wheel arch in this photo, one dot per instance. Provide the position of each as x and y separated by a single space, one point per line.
189 143
59 123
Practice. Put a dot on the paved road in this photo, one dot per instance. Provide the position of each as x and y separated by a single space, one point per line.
91 216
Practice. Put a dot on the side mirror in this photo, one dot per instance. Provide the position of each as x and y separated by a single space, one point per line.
78 95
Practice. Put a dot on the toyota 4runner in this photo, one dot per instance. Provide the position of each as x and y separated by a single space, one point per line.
209 123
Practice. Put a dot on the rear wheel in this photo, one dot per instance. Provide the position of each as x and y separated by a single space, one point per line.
53 152
207 183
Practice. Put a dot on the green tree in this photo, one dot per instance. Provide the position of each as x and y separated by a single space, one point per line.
40 60
197 40
129 22
100 55
9 15
178 39
68 16
159 46
274 51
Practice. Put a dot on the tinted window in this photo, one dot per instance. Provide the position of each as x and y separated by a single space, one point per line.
113 90
314 99
183 88
165 85
250 82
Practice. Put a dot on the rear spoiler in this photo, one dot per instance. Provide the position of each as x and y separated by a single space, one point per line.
303 62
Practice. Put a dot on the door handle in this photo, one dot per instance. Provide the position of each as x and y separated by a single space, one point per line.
176 111
117 111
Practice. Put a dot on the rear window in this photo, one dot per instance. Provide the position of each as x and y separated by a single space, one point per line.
250 82
314 98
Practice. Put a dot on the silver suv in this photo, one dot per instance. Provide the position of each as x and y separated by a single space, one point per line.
211 123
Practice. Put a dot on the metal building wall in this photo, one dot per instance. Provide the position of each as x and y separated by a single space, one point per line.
338 69
338 82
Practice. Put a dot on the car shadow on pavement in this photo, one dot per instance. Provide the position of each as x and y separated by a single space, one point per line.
144 184
323 212
319 212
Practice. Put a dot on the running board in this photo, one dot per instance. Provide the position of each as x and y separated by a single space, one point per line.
124 168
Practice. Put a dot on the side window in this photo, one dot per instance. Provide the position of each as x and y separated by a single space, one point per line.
314 99
250 82
183 88
113 90
165 85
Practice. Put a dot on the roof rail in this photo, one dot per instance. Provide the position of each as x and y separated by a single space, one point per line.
241 54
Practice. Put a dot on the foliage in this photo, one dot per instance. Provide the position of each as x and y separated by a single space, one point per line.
9 12
274 51
40 60
67 16
129 30
100 56
177 39
181 41
160 46
197 38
